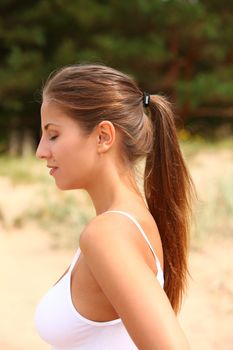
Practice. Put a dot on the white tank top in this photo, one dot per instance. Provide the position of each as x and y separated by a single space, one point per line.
64 328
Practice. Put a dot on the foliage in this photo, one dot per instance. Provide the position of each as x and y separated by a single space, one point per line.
63 219
181 48
217 205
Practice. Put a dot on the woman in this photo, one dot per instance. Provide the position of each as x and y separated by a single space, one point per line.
96 125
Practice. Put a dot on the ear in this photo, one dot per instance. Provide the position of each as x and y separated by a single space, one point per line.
105 136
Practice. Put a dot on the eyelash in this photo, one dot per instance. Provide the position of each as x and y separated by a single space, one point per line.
52 138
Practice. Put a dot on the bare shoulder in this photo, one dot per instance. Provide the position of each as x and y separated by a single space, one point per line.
108 231
119 235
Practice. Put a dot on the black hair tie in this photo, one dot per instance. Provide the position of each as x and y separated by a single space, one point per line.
146 99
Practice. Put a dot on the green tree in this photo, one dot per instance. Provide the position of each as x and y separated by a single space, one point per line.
177 47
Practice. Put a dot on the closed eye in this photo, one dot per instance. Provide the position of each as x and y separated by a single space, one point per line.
52 138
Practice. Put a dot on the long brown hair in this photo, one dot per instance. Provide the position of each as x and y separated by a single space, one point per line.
92 93
169 192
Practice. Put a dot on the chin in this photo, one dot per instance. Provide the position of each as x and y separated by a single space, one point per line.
63 186
67 187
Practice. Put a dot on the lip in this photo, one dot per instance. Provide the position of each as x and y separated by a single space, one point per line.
53 169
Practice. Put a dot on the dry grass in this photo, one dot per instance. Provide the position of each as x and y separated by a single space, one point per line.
63 214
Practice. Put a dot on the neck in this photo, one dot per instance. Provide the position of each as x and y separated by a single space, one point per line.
114 190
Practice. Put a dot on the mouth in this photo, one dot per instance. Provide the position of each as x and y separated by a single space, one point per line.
53 169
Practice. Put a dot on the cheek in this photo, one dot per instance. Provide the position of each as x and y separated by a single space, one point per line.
63 150
79 171
80 160
85 161
76 158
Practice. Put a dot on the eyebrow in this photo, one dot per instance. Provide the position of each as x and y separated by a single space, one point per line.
47 125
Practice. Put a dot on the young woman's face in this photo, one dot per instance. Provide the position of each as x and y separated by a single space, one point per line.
70 155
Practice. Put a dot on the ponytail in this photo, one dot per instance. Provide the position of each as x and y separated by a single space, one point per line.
169 190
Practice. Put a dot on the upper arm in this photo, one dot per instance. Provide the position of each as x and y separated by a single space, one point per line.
131 286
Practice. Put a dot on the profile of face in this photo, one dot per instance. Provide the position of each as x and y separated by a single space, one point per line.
71 155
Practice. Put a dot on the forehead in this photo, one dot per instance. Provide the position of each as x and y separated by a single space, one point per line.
49 109
53 114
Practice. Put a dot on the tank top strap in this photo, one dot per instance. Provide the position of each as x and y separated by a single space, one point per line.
143 234
75 258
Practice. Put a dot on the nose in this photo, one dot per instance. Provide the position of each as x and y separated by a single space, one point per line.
43 151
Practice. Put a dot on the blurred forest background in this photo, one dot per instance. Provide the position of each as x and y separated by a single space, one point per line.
179 48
